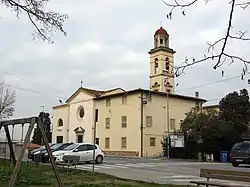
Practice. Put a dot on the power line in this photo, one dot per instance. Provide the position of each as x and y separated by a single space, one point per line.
33 91
207 84
188 88
21 78
63 97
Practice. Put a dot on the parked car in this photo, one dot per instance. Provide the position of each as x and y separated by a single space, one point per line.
38 151
84 150
240 153
53 148
31 153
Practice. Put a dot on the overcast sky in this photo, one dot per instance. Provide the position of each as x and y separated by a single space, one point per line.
107 46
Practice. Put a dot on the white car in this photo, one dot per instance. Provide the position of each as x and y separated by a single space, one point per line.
84 150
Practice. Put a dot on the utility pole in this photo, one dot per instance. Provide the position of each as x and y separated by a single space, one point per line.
168 120
43 123
96 120
141 128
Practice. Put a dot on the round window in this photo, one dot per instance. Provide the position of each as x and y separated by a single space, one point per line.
81 112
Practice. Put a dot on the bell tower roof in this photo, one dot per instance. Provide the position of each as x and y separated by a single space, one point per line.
161 31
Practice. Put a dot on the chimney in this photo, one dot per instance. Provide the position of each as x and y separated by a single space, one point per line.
197 94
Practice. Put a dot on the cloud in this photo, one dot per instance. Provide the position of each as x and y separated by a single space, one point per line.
107 46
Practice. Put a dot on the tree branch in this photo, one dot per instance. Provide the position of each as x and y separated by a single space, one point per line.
227 35
7 102
243 5
222 56
44 22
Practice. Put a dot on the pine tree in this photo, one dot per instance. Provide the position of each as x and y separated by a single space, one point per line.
46 122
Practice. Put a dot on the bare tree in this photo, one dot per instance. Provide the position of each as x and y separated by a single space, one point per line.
7 101
223 56
44 22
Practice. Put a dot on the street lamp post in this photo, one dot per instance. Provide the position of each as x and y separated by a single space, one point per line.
168 128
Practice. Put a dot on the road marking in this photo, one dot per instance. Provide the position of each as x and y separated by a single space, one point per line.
113 166
180 176
186 180
81 167
139 165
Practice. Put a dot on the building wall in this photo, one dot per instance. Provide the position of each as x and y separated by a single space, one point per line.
86 101
115 112
157 109
63 113
211 108
71 119
5 150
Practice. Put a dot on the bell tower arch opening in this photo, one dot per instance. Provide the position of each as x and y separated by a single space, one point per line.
161 63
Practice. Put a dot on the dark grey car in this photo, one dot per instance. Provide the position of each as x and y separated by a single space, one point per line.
240 153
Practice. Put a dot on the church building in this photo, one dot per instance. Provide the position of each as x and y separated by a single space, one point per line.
130 122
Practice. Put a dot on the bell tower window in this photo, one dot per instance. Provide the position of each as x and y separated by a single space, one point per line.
156 65
161 41
167 63
156 42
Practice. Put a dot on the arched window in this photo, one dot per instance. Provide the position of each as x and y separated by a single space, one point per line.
60 122
167 63
156 65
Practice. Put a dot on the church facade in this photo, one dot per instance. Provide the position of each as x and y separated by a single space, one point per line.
132 122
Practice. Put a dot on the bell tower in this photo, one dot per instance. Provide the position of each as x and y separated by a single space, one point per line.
161 63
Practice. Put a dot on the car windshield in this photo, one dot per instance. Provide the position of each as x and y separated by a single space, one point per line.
56 146
71 147
236 146
43 147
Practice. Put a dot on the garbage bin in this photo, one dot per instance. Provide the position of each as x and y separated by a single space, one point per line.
223 156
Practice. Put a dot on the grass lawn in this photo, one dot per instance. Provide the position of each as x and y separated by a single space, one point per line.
43 176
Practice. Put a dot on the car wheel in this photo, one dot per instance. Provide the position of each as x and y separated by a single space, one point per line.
235 164
99 159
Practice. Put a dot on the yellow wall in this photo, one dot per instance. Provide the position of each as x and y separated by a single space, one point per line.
157 109
72 120
211 107
116 132
60 112
154 108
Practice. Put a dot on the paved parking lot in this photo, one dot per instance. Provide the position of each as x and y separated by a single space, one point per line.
157 170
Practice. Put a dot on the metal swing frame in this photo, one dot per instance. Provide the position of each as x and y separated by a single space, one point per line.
17 162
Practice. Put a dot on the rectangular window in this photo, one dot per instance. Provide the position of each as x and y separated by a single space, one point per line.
106 143
97 141
172 124
124 143
124 100
124 121
149 121
59 139
152 142
108 102
107 123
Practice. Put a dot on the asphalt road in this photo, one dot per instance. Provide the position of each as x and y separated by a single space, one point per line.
158 170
